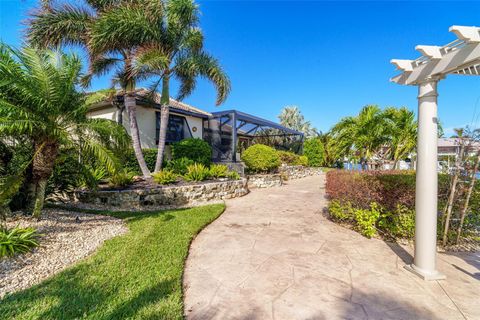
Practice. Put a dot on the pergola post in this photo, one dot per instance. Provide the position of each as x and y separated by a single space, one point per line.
426 184
459 57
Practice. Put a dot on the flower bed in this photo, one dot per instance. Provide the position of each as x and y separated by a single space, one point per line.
147 198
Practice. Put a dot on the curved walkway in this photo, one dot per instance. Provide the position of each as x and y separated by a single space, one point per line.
273 255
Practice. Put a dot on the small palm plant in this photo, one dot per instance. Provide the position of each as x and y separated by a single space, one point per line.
39 102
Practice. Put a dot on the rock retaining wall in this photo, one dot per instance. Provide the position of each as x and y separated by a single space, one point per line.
285 173
167 196
297 172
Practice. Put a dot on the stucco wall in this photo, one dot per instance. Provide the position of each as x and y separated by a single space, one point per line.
146 123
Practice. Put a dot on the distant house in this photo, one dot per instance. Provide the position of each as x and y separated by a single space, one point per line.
224 130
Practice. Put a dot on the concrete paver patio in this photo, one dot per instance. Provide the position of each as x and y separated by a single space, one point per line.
274 255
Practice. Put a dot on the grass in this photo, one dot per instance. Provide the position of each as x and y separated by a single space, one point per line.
134 276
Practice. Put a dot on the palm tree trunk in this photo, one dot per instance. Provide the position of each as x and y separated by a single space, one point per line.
467 200
164 117
451 197
43 163
131 106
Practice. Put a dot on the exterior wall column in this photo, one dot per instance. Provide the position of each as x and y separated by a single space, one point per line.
426 197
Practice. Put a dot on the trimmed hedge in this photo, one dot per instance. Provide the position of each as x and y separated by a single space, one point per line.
194 149
383 200
313 149
261 158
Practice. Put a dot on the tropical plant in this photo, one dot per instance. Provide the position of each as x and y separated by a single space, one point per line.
402 132
302 161
291 117
179 166
218 171
287 157
164 177
121 178
39 102
101 26
17 240
362 136
197 172
233 175
261 158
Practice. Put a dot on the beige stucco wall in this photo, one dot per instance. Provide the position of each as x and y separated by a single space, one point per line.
146 123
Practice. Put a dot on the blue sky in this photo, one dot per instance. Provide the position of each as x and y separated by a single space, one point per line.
328 58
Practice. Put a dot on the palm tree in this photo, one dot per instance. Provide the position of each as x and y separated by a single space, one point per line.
39 102
402 131
89 24
291 117
361 136
172 48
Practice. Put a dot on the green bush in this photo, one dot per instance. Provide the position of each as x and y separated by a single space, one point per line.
399 223
366 220
233 175
339 211
194 149
287 157
313 149
218 171
121 178
197 172
165 177
179 166
17 240
261 158
302 161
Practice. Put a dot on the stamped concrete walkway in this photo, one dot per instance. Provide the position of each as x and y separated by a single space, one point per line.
273 255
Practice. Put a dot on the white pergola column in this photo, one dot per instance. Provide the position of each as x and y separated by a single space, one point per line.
427 184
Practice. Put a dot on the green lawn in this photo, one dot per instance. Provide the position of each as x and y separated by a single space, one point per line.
134 276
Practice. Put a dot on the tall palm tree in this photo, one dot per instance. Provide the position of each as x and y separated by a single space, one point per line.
402 131
172 48
291 117
39 102
89 24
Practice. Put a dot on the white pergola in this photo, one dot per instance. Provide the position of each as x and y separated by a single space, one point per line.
461 57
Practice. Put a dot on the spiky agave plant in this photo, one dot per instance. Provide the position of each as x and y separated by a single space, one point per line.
39 102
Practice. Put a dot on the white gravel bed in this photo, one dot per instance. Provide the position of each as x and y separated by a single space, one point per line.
65 240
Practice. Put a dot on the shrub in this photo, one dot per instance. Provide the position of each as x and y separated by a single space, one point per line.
194 149
233 175
261 158
339 211
165 177
197 172
302 161
399 223
121 178
287 157
218 171
366 219
313 149
17 240
179 166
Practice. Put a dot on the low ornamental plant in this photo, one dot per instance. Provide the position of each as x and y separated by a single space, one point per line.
218 171
260 158
179 166
197 172
233 175
121 179
302 161
17 240
165 177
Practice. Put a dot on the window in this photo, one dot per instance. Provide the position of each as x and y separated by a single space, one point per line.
177 128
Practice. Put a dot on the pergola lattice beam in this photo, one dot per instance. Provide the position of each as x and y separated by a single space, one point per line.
461 56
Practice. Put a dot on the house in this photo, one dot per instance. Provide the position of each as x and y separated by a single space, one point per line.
224 130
